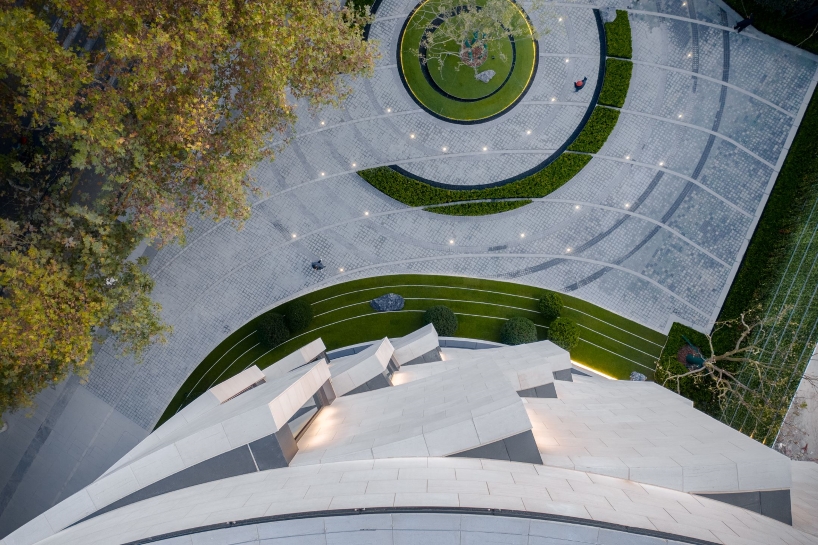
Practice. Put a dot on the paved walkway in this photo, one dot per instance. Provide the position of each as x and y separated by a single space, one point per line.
653 228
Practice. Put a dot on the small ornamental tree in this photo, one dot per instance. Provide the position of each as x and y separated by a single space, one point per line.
564 333
442 318
518 330
551 305
466 30
298 315
272 330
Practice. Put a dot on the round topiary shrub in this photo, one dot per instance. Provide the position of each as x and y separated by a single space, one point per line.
272 330
564 333
551 305
442 318
298 315
518 330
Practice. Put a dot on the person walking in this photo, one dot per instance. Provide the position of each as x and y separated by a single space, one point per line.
578 85
744 23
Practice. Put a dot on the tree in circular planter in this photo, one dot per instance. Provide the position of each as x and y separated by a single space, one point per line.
272 330
298 315
551 305
564 333
442 318
518 330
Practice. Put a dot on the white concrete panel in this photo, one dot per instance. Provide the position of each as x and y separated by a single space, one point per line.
232 386
609 500
415 344
352 371
298 358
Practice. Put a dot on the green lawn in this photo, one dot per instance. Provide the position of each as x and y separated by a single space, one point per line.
609 343
410 67
458 79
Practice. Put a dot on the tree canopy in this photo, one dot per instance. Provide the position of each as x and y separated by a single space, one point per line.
120 120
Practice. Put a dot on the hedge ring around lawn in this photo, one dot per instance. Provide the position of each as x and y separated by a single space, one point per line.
565 163
455 95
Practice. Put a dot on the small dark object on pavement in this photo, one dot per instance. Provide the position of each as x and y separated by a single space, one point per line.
579 85
317 265
744 23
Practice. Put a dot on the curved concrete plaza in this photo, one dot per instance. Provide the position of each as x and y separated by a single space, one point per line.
653 228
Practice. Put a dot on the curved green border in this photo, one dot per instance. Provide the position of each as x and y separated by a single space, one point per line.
589 141
449 109
342 317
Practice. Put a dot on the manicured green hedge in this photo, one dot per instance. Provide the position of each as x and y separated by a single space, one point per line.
443 318
518 330
272 330
618 34
616 84
551 305
478 208
564 333
596 131
414 193
298 315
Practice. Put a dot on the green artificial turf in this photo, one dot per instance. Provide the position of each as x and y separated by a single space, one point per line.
342 317
618 36
617 81
411 69
478 208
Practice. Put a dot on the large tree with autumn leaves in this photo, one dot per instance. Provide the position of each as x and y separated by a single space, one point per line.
119 119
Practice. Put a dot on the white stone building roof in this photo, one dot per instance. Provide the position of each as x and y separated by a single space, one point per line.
432 456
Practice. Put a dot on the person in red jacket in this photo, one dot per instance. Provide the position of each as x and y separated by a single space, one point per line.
579 85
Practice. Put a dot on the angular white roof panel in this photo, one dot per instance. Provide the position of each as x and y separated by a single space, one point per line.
415 344
431 482
465 407
351 371
646 433
524 366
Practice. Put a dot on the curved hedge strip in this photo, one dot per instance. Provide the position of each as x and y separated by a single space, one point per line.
478 208
618 36
590 140
414 193
617 81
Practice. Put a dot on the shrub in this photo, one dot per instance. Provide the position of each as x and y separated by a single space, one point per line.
596 132
518 330
272 330
478 208
618 36
442 318
616 84
551 305
298 315
414 193
564 333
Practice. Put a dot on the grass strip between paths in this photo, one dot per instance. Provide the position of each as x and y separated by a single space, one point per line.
343 317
